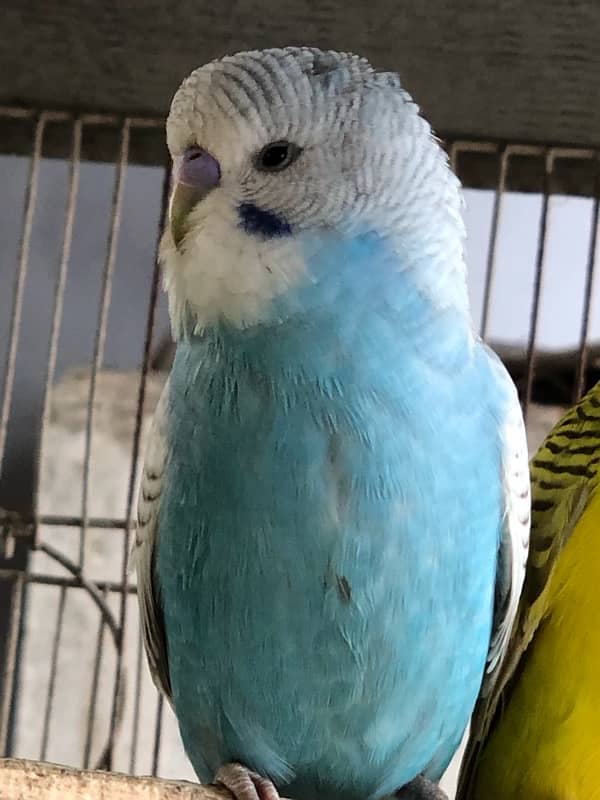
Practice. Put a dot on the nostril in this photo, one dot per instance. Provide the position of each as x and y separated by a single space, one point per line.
192 153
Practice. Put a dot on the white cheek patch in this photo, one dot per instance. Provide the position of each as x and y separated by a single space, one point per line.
223 272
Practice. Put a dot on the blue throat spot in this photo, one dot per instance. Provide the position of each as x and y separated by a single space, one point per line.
257 220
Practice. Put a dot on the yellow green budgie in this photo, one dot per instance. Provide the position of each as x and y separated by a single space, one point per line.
535 734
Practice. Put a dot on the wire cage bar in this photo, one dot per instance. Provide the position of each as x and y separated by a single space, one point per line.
49 556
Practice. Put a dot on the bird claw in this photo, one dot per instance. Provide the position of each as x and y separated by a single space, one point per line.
245 784
421 788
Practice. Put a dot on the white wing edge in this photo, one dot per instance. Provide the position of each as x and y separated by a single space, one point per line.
514 544
142 555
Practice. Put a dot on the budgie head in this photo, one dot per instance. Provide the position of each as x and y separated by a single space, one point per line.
282 157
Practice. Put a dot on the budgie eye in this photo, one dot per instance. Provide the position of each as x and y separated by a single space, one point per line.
277 156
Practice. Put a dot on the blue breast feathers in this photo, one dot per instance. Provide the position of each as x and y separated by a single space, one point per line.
328 534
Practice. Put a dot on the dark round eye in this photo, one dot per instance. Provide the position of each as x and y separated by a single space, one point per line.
277 156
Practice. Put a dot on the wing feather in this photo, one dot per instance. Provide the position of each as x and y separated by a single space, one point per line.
564 475
143 555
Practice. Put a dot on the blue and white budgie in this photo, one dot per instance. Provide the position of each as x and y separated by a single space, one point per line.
335 496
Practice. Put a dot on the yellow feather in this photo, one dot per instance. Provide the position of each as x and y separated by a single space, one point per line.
538 736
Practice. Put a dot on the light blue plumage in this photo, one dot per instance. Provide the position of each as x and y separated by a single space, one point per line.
336 488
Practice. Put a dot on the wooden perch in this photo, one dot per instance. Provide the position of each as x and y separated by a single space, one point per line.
33 780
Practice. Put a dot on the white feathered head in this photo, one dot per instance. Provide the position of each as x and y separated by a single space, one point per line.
273 148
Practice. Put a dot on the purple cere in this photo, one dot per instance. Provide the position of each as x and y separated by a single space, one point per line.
199 169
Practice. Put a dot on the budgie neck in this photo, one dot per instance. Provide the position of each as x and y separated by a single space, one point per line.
362 299
323 269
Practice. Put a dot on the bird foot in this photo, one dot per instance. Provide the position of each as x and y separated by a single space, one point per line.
245 784
421 788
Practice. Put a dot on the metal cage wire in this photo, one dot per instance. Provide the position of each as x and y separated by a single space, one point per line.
20 529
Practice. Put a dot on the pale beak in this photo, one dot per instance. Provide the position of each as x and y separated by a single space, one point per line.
195 174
